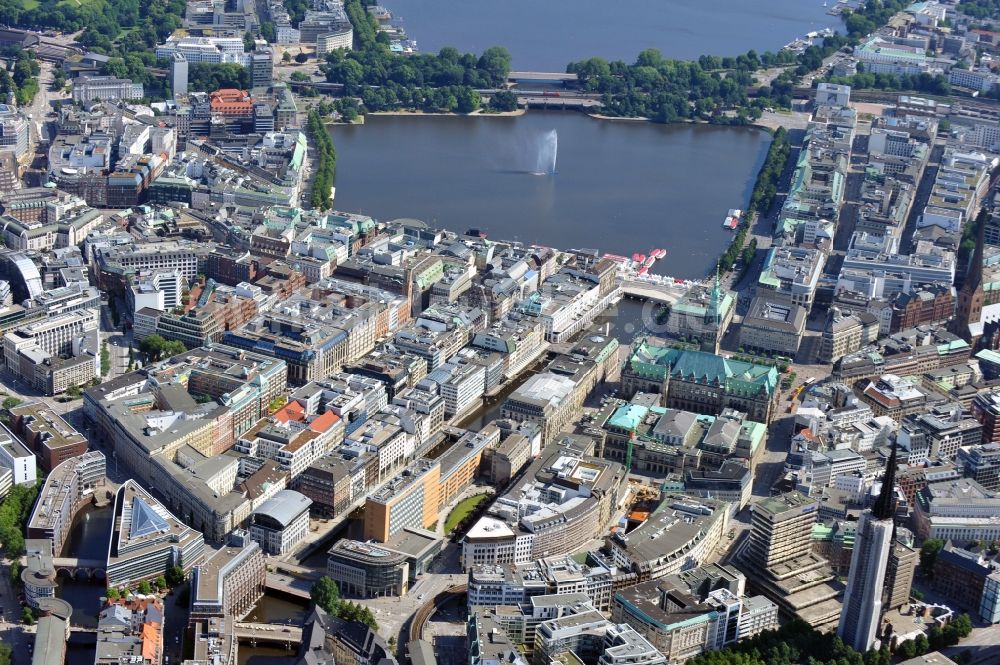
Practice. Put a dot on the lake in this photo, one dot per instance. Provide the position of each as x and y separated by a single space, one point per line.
546 35
619 186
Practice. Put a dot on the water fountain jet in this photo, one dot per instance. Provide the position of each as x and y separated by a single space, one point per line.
548 147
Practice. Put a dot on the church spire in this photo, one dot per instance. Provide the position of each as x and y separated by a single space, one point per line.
974 277
714 300
884 504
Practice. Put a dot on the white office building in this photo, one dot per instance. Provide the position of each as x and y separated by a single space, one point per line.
280 522
18 459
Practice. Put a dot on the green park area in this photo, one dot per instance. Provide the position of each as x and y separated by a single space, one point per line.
462 510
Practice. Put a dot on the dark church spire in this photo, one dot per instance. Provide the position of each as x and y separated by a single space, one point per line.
974 277
884 507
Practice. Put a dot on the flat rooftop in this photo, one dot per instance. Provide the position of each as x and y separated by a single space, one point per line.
209 571
54 431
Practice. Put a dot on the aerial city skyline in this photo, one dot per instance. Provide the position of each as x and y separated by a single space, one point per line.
569 333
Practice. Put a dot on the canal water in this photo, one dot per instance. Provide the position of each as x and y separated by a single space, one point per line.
546 36
272 609
622 187
88 539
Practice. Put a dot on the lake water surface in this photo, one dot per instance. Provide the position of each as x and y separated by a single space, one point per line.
622 187
546 35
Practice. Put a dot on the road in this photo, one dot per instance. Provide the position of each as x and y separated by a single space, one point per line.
175 625
983 644
924 188
11 630
41 106
772 463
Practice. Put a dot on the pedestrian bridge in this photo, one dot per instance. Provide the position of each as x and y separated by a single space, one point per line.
290 636
75 567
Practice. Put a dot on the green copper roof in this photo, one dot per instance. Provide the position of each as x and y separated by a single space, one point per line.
951 346
737 376
989 356
628 416
821 532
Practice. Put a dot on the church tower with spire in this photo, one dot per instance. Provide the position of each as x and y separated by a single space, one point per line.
969 308
713 318
862 612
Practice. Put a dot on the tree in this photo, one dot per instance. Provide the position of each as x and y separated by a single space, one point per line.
156 347
28 616
503 101
105 359
468 100
326 595
10 403
15 573
286 57
14 513
6 654
208 77
301 57
299 76
161 583
962 625
175 576
248 41
144 587
495 62
349 113
112 594
59 80
268 32
928 555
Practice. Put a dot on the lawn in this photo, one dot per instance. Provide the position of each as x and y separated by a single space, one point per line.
29 4
464 507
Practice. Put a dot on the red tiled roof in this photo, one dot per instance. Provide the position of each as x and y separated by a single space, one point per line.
324 422
291 411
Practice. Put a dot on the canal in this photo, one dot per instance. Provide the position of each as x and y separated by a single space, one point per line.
273 609
88 539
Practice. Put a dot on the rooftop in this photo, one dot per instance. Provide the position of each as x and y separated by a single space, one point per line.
284 506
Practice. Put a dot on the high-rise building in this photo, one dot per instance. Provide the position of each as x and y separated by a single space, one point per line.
899 574
781 529
863 600
178 74
781 562
261 67
982 463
